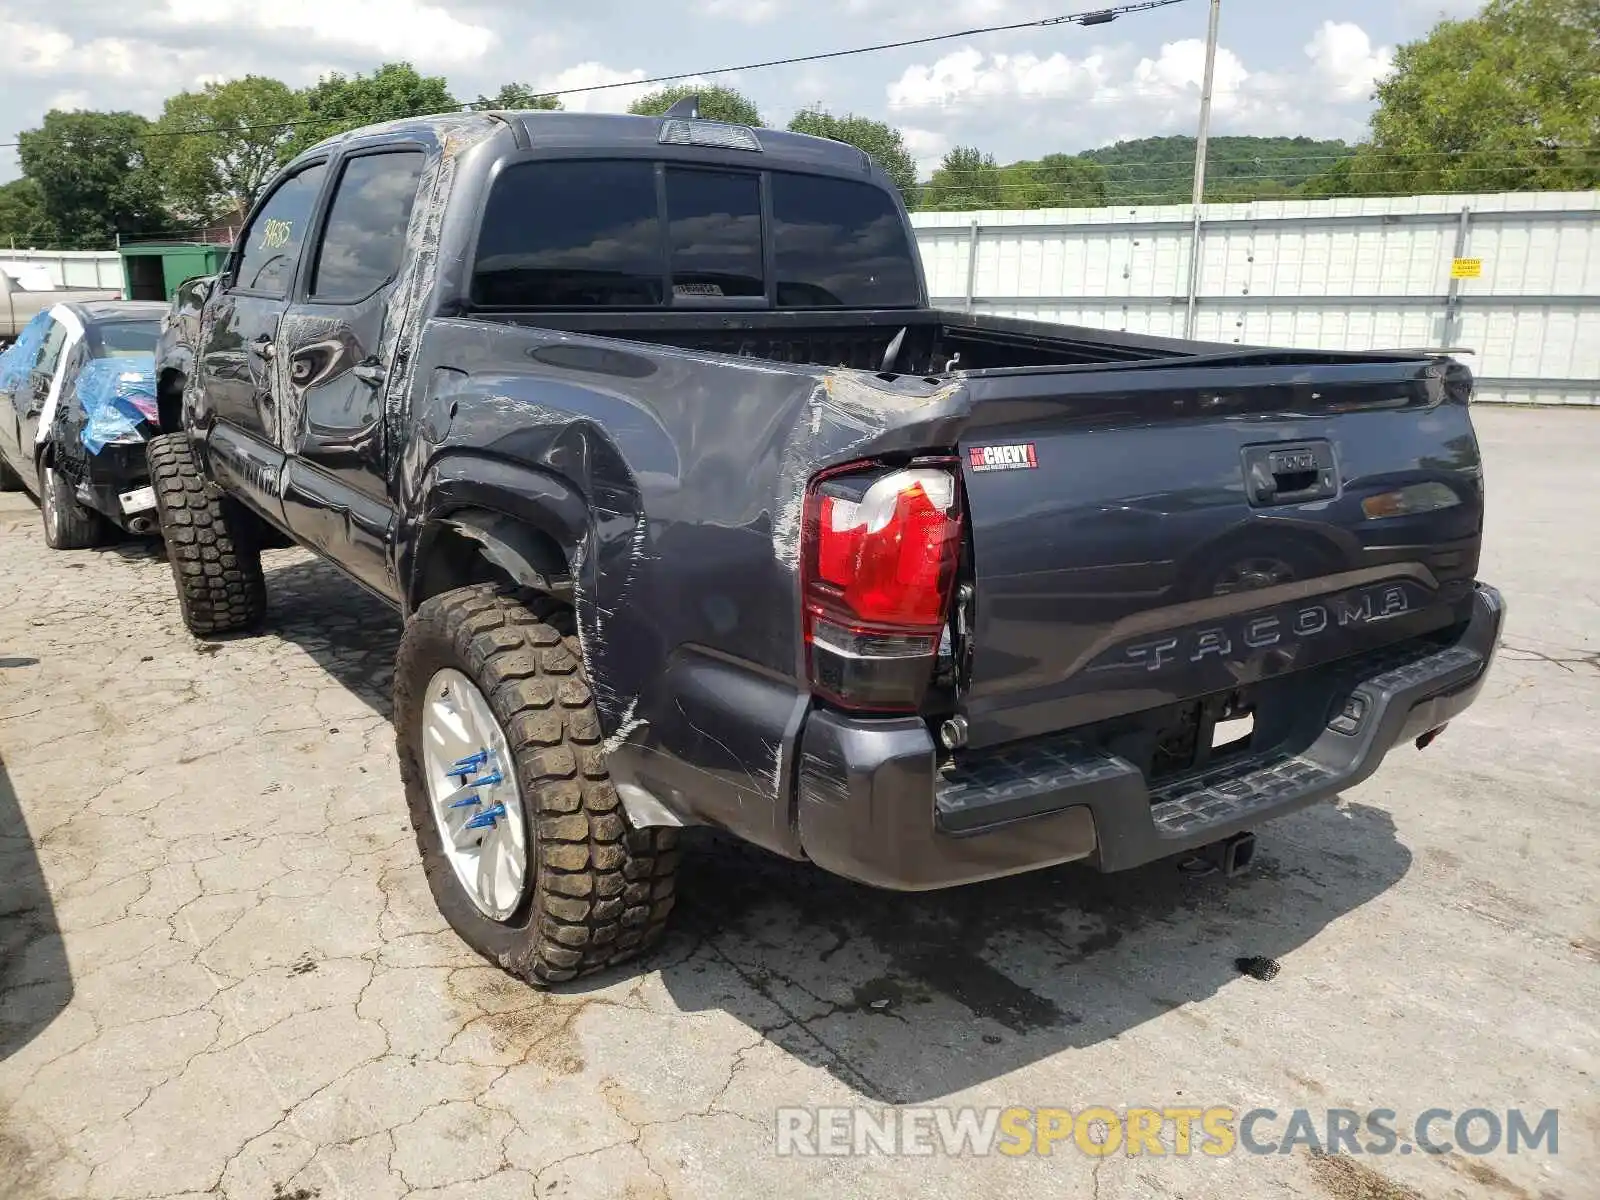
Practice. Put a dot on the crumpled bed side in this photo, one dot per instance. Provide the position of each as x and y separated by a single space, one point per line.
116 394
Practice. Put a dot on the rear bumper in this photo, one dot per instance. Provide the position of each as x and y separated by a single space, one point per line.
101 480
873 805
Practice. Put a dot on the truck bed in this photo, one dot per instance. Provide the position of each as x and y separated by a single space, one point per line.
930 339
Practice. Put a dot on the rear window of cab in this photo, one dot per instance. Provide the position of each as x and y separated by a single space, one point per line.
568 234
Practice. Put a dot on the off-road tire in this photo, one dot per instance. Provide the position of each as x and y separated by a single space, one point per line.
598 892
216 563
74 527
10 481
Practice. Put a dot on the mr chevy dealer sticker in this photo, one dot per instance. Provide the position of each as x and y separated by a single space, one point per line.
1019 457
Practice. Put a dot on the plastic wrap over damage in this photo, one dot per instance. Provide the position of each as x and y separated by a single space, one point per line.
845 413
406 309
117 394
18 358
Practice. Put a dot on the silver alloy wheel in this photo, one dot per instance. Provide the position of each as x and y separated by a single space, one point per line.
472 789
47 501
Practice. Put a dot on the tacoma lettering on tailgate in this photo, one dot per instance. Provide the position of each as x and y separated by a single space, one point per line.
1281 627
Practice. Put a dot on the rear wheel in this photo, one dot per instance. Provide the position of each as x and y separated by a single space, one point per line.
67 524
216 564
527 850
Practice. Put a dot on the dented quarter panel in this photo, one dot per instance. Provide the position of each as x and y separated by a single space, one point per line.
689 468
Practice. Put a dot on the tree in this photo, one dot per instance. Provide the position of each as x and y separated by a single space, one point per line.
23 221
716 103
966 179
1054 181
884 142
337 103
1506 101
93 180
248 129
515 97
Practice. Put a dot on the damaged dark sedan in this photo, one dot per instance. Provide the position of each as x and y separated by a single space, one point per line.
77 404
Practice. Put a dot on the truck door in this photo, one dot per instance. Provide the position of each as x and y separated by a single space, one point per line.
331 349
235 361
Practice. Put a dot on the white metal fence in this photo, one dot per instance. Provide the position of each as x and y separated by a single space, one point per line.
1356 274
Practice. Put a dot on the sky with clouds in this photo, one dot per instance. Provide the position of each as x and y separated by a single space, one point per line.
1285 66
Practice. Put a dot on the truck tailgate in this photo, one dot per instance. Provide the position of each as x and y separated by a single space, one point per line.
1145 536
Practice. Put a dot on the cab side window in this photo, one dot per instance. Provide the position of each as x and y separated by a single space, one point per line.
271 247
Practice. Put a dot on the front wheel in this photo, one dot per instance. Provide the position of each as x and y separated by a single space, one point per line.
215 561
527 850
67 524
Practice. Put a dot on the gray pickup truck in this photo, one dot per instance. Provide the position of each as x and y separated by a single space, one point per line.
698 513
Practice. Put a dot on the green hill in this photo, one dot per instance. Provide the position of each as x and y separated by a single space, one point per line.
1161 170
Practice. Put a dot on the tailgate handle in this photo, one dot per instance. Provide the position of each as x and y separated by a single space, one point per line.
1290 472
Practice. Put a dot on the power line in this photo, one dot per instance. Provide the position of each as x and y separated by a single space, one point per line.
1099 16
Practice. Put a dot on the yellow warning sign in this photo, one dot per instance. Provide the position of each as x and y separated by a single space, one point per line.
1466 268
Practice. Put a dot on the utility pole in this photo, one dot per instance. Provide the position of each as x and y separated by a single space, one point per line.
1201 148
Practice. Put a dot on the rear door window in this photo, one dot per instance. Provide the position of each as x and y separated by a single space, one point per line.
714 231
366 234
571 235
272 244
839 243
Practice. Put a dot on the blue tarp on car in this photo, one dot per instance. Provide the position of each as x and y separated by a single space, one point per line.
116 394
19 357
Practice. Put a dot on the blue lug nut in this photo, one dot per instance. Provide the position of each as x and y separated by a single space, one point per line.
488 780
487 818
467 802
469 764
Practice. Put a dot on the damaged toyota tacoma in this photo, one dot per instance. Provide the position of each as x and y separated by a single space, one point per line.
699 514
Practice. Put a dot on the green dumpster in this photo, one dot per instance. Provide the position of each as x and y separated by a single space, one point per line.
153 270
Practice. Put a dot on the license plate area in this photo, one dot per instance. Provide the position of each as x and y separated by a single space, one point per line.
1202 732
138 500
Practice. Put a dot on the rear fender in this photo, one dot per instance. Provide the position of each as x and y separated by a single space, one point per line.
530 525
523 553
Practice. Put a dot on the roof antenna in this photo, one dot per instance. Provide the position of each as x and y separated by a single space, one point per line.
689 107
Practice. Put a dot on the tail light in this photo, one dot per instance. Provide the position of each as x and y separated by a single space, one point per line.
879 563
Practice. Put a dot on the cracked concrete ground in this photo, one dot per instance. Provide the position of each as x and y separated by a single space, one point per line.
223 975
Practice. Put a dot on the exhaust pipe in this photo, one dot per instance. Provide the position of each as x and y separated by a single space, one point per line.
141 525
